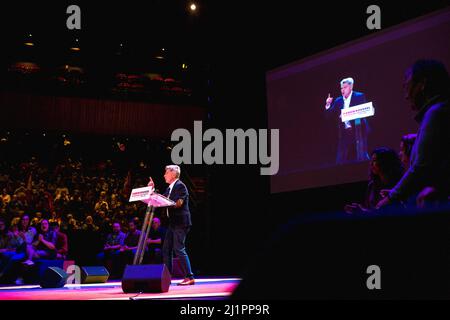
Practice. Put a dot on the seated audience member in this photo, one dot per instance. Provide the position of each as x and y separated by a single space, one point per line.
61 244
137 222
6 198
62 195
44 246
89 224
54 218
27 233
99 217
385 171
427 85
35 222
406 145
38 218
155 241
12 250
111 251
131 242
72 224
62 199
5 250
101 204
115 201
76 205
4 236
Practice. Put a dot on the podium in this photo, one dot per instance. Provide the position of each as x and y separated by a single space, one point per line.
140 278
153 200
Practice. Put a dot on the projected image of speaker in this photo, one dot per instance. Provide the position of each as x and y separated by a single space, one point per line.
94 274
150 278
53 277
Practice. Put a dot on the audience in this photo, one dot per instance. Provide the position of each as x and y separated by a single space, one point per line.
385 171
6 250
89 225
6 198
128 250
12 250
112 249
61 244
155 241
77 196
78 193
44 244
427 85
28 233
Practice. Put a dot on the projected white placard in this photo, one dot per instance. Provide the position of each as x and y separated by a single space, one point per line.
357 112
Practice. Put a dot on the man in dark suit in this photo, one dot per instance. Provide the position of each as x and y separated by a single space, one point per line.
179 223
352 135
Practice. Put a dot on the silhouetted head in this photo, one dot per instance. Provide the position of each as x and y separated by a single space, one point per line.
156 223
386 163
24 222
116 227
131 226
54 226
424 80
44 226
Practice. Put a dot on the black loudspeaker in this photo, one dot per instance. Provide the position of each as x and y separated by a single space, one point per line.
53 277
95 274
154 278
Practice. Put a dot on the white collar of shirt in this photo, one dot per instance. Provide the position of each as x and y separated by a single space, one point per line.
347 100
171 186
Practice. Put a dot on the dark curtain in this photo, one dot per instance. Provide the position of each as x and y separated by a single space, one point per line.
84 115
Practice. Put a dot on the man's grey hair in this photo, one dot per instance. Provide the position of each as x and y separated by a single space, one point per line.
175 168
350 81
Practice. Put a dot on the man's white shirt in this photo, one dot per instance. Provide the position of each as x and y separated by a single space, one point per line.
171 187
347 105
168 195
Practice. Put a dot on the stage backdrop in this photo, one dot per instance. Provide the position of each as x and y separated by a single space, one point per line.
82 115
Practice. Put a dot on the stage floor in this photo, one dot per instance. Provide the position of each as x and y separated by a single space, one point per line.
206 289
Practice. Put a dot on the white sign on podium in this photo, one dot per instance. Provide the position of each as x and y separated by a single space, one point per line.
150 197
357 112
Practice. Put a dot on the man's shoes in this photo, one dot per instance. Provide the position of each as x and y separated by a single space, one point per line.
187 282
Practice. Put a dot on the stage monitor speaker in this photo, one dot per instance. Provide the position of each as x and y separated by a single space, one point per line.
94 274
150 278
53 277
